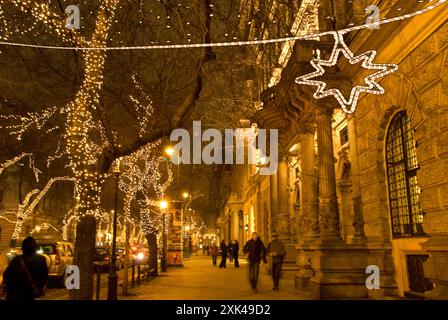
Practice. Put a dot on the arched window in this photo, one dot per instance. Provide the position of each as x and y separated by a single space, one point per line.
402 166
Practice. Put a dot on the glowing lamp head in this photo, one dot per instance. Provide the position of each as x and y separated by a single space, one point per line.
140 256
169 151
163 204
185 195
116 166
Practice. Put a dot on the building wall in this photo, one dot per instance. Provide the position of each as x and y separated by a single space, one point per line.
421 89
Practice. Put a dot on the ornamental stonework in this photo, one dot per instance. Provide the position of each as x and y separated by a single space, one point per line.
427 73
425 51
442 143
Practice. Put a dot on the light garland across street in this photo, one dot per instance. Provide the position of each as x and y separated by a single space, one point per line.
233 43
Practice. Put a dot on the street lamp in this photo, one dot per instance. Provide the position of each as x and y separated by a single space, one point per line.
169 151
163 205
113 277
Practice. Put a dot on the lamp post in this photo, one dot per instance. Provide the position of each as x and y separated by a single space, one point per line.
126 260
163 206
186 196
113 277
170 151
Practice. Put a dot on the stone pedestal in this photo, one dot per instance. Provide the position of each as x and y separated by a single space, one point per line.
340 272
305 273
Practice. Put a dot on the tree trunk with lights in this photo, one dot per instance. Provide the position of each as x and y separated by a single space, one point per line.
152 260
79 146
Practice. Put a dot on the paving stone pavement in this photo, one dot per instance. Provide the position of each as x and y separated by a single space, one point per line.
199 280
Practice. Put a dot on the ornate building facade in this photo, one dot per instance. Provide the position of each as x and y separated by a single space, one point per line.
362 189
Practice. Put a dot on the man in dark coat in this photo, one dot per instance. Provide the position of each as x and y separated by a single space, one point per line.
255 253
27 274
223 248
277 251
236 249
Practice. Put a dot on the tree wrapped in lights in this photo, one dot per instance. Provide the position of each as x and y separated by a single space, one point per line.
142 183
28 205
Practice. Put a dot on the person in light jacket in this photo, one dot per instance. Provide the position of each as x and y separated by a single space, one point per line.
277 252
214 253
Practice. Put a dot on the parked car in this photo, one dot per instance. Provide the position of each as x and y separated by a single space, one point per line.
101 259
59 254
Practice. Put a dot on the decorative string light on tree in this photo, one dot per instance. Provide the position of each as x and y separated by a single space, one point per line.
144 108
141 172
18 158
27 206
43 227
347 105
25 122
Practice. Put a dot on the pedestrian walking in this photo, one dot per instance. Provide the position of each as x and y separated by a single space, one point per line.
223 248
277 251
236 248
230 251
214 253
26 275
255 252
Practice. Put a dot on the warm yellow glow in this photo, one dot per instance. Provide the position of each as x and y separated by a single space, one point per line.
185 195
169 151
163 204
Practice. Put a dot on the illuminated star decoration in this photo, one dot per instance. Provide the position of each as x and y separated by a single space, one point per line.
348 106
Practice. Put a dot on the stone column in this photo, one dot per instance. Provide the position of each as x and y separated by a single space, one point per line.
328 208
310 214
358 223
309 203
282 219
274 202
283 222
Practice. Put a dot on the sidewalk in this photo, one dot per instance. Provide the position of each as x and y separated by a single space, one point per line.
199 280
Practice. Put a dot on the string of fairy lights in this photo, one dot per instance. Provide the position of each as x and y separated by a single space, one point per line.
27 206
141 172
143 106
92 47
